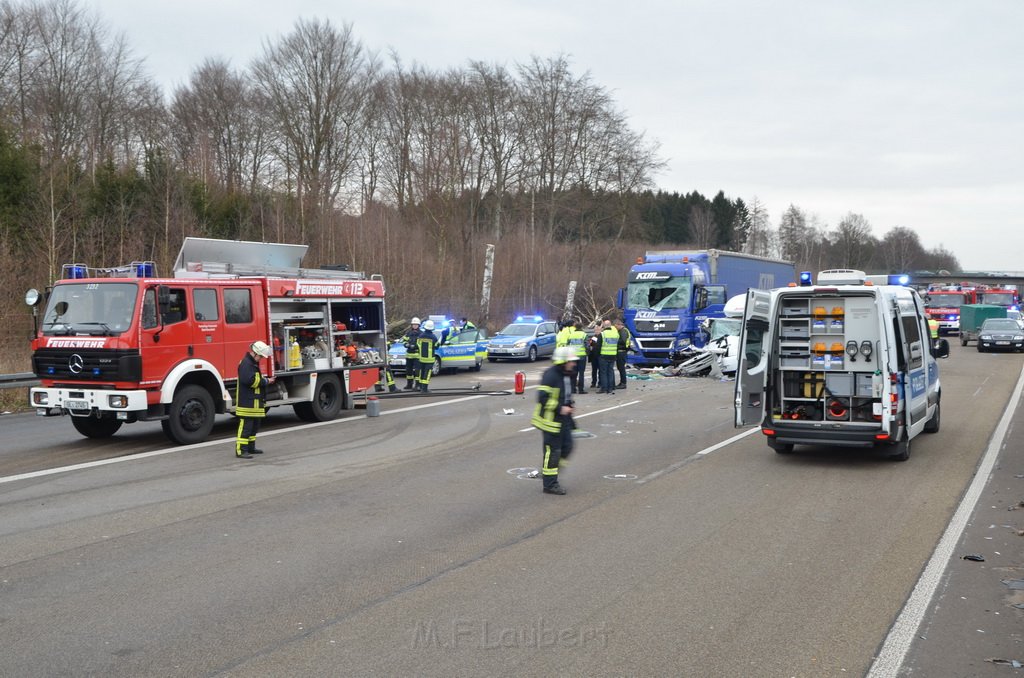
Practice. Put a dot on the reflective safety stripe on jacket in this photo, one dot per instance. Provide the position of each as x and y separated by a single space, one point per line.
933 328
624 339
425 344
550 397
248 392
578 340
562 338
609 341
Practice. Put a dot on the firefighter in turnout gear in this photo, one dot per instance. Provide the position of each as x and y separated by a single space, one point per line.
412 354
250 398
553 415
425 343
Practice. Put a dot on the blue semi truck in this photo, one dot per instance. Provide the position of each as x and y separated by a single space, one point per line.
669 294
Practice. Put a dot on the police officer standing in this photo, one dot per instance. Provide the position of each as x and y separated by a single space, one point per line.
578 343
412 354
553 415
607 350
250 399
425 344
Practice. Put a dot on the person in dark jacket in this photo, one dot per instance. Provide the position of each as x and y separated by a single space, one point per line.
625 339
593 353
250 399
553 415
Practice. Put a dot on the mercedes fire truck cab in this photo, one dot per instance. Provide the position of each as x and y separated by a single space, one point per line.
842 363
116 346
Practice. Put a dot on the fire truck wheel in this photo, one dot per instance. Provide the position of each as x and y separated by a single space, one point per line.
326 401
190 418
91 427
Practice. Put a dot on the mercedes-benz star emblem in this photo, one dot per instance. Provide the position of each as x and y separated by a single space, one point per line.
75 363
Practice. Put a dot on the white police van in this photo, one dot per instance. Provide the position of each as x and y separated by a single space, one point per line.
843 363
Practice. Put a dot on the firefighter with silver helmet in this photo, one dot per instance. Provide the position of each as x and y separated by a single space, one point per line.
553 415
250 399
412 354
425 344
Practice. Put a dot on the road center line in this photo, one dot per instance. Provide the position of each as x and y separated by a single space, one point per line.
897 643
219 441
697 455
607 409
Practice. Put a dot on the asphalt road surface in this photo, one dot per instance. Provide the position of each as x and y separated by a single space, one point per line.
413 543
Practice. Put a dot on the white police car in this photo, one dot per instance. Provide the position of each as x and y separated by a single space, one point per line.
460 349
528 338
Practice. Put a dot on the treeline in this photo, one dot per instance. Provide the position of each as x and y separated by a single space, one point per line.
385 166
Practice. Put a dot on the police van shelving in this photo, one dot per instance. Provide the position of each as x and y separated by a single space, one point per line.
121 345
842 363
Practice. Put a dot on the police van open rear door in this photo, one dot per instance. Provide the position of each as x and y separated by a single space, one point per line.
754 359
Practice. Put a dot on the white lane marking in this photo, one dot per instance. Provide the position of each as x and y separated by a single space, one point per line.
695 455
897 643
607 409
219 441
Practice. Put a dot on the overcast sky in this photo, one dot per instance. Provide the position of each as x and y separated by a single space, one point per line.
910 113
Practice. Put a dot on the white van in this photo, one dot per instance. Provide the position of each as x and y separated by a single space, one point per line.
840 363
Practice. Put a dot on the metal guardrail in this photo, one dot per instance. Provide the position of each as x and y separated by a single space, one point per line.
20 380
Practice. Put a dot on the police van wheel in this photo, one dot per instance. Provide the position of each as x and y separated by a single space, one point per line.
933 424
326 402
532 355
91 427
190 418
902 449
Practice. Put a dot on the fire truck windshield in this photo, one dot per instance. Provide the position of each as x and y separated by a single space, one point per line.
659 294
998 298
90 308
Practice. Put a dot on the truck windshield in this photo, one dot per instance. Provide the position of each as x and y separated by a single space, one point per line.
998 298
659 294
945 300
103 309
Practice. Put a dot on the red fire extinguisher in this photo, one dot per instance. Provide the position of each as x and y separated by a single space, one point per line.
520 382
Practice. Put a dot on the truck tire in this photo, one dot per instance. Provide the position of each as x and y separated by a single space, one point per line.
326 402
190 418
932 426
901 449
92 427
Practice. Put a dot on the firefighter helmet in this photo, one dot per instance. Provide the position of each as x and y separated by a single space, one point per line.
564 354
428 325
261 349
414 321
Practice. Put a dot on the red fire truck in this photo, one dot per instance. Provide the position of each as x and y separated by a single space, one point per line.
943 305
115 346
999 296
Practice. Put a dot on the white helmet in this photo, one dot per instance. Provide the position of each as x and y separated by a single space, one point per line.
564 354
259 348
429 325
414 321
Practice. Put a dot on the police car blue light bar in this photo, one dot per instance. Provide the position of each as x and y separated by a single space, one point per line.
529 318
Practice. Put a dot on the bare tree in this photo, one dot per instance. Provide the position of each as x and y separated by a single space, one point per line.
703 227
852 243
901 250
316 81
792 234
759 239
